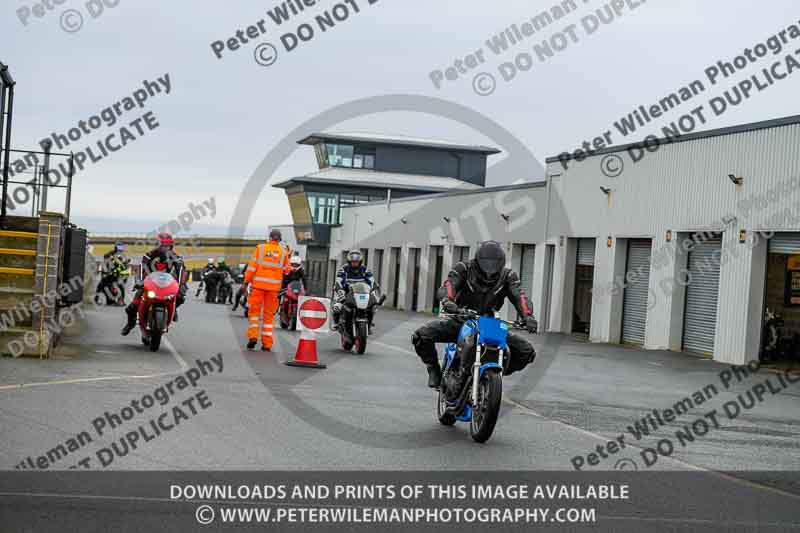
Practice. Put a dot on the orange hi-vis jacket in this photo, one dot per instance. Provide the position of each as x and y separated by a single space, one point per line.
265 269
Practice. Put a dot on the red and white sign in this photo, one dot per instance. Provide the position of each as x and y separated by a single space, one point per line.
314 314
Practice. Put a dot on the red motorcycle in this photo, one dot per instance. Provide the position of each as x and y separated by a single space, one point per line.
289 304
157 307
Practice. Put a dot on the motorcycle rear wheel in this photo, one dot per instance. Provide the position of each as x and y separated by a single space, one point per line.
485 414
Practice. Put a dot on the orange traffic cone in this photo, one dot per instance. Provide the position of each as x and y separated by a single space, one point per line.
306 355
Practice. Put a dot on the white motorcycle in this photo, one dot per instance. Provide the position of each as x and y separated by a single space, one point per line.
358 314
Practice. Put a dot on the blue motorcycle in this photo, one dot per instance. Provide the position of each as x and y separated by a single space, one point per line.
472 377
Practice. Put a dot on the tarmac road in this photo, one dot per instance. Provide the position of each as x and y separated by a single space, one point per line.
370 412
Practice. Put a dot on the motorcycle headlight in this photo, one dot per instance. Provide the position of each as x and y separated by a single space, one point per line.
151 294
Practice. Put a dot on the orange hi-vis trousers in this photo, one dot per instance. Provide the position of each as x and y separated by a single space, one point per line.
261 316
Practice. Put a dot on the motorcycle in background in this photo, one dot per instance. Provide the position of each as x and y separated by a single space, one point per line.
776 344
111 288
472 378
289 303
157 307
225 288
358 315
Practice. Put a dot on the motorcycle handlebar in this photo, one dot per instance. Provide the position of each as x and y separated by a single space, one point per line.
473 315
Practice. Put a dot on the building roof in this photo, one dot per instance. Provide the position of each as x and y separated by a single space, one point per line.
375 138
359 177
742 128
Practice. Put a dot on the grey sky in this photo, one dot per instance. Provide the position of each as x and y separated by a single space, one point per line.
223 116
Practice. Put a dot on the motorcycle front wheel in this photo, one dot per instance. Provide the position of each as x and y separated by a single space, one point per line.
155 341
346 345
485 414
361 338
445 418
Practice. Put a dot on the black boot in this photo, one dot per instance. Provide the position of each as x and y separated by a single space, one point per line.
434 375
251 344
131 311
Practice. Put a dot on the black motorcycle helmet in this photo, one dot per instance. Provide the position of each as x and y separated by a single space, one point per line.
490 258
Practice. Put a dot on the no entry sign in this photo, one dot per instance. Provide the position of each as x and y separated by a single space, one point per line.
313 314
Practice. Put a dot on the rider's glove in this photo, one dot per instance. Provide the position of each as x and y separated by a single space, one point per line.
531 324
450 307
340 294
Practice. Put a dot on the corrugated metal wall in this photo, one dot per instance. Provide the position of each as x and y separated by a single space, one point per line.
683 186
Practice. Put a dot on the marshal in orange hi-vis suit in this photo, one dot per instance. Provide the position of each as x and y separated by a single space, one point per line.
265 276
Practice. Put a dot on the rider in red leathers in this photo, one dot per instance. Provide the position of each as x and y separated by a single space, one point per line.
160 259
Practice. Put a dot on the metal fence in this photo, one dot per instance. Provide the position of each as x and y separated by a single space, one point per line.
33 191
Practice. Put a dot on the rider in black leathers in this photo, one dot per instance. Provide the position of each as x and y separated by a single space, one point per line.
482 285
209 268
222 268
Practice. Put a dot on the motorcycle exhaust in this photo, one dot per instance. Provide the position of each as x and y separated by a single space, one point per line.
462 401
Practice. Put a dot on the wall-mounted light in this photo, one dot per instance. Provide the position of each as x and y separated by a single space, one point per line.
743 236
728 220
446 219
669 235
605 190
505 217
404 220
735 180
609 241
561 241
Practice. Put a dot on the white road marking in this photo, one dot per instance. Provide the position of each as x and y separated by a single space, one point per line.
177 356
588 433
83 380
751 484
395 348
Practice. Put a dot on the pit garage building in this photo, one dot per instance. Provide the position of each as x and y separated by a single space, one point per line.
681 246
